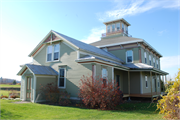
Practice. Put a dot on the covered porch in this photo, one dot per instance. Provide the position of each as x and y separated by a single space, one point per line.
32 78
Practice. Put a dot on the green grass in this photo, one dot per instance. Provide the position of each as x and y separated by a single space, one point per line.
6 92
7 85
9 110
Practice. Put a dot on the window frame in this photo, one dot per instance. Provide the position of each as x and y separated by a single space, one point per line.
146 81
114 27
119 26
150 60
52 57
122 27
157 63
127 56
154 63
145 58
60 77
109 28
106 74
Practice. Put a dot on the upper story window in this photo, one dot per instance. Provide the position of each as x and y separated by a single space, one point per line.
122 27
145 59
154 61
108 28
146 79
150 59
62 78
158 82
53 52
129 56
157 63
117 26
56 52
49 53
126 29
113 27
104 75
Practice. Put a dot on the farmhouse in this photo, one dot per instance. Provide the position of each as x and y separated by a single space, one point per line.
131 62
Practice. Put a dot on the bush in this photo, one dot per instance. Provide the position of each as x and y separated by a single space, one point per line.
54 95
4 96
170 105
99 93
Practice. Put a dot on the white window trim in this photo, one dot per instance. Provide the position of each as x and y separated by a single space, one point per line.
154 62
132 56
106 74
64 77
114 27
109 29
157 63
150 60
52 59
145 58
146 80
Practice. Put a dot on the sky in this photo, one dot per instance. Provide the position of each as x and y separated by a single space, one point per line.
24 23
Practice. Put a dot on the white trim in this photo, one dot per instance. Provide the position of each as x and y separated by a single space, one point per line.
34 92
52 57
64 78
21 89
25 88
46 76
132 57
147 81
113 76
78 54
31 89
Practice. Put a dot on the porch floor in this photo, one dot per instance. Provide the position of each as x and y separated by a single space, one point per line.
147 95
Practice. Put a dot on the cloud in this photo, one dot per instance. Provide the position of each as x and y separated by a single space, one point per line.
94 35
133 7
160 33
170 61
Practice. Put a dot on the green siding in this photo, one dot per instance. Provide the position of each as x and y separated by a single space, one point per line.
122 54
74 70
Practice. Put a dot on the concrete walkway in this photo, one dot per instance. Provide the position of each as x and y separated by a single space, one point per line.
21 102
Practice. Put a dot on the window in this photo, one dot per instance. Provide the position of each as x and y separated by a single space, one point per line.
104 75
157 63
146 79
158 82
113 27
49 53
62 78
126 30
154 61
118 26
53 52
145 57
109 29
129 56
150 59
56 52
122 27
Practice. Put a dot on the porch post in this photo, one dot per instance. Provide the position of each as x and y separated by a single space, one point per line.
129 84
34 89
156 84
31 89
160 83
164 84
151 85
113 76
166 79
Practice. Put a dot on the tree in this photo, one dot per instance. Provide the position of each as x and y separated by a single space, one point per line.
14 82
170 105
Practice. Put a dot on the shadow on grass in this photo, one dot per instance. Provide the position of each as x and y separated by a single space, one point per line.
8 115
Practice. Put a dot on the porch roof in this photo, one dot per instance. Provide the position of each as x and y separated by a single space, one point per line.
38 70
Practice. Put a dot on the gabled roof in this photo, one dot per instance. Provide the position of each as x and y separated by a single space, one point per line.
38 70
81 46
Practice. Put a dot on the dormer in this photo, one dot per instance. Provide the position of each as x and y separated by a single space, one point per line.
116 27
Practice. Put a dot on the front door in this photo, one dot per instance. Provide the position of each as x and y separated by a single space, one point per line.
28 89
118 81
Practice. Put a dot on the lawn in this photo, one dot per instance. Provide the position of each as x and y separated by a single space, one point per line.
6 92
10 110
7 85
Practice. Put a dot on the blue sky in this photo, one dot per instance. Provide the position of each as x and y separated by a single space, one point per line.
23 24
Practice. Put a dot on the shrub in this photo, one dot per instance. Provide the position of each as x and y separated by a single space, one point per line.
4 96
54 95
170 105
99 93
